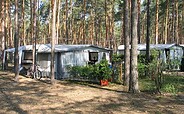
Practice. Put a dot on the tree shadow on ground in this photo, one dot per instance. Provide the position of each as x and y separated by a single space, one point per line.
146 101
96 85
32 96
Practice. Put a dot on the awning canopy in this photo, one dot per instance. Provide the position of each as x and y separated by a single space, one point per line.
152 46
58 48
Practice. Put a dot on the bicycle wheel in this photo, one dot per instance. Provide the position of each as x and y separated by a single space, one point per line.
38 75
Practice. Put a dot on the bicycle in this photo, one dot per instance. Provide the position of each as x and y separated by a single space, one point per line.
37 74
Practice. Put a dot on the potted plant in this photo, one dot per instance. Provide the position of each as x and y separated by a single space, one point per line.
104 72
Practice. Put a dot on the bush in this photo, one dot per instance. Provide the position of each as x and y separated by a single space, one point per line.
98 71
170 88
141 69
80 71
104 71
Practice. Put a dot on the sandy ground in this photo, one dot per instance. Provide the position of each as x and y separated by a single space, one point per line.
40 97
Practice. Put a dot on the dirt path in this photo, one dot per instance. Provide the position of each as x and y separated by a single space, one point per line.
39 97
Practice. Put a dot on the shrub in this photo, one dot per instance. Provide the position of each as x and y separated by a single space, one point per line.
170 88
105 71
98 71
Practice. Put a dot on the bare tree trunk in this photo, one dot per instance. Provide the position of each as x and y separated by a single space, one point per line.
133 87
91 28
66 21
2 32
16 38
106 25
1 36
49 24
31 20
138 23
71 22
176 22
173 39
58 22
37 22
9 26
182 30
83 22
148 33
100 33
166 22
3 25
143 29
126 30
156 22
113 38
34 33
96 22
53 41
23 22
6 24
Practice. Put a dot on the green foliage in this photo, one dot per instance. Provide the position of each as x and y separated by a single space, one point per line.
98 71
141 69
172 84
81 71
104 70
152 70
142 66
146 84
117 58
150 67
170 88
174 64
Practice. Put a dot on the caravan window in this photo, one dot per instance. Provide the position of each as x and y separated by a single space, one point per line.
93 56
28 55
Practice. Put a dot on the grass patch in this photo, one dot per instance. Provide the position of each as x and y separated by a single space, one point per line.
146 84
172 84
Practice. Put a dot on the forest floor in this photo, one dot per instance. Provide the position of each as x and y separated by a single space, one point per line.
31 96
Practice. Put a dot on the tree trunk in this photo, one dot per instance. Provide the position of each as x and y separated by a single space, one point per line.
6 24
2 32
143 40
166 22
37 22
58 22
66 22
138 23
83 22
23 22
156 22
133 87
53 41
96 22
182 21
126 30
173 39
71 33
16 40
176 22
49 24
114 43
10 30
31 20
34 34
148 33
106 25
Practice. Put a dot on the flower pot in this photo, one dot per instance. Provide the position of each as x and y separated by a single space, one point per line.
103 82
